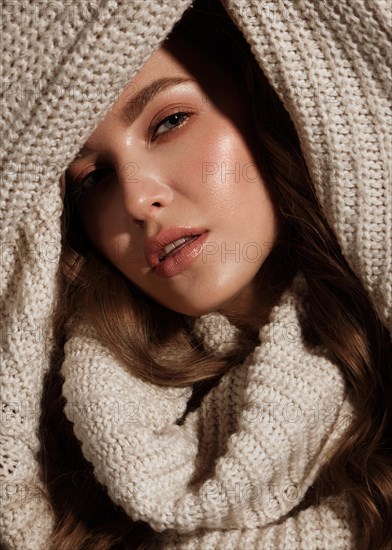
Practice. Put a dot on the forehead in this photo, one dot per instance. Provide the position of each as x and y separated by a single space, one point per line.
162 65
179 56
177 59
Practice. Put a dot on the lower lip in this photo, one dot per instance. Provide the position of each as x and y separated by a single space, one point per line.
181 260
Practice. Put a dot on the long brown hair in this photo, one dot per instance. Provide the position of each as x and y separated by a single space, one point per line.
140 332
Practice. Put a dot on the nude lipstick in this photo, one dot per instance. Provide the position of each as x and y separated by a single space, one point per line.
174 249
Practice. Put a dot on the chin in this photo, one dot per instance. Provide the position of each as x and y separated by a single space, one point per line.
191 309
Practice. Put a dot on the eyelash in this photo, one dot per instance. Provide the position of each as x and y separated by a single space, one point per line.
80 186
185 114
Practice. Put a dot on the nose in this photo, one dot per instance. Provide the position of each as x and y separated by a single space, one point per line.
145 190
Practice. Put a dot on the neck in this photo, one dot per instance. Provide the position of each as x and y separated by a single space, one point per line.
251 309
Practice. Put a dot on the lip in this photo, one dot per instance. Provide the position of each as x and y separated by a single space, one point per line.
155 249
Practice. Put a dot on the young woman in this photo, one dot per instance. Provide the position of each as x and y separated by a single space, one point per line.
220 371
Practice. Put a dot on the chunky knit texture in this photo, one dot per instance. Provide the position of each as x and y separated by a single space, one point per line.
64 65
242 461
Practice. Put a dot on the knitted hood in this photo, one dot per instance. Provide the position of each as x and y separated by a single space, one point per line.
65 64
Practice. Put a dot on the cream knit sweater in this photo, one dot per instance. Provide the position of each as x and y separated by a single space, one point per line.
63 66
231 475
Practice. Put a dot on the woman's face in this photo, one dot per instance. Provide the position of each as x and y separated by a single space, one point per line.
170 191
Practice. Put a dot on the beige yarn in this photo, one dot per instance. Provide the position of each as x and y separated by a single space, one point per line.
241 462
64 64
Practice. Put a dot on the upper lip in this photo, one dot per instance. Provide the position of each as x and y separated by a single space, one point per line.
154 248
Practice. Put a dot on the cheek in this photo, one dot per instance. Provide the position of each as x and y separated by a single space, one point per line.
239 194
209 154
230 173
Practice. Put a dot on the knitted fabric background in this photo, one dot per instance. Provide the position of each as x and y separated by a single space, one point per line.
65 63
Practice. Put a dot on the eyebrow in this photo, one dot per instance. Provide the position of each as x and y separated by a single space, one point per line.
134 106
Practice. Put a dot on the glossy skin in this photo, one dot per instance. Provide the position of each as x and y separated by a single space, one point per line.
193 170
